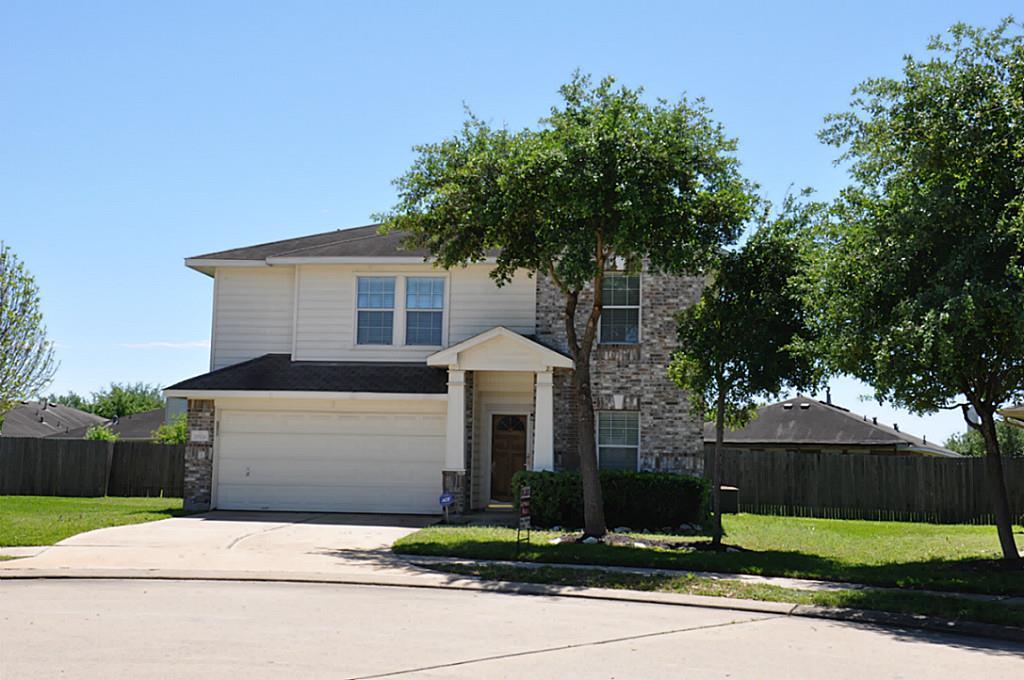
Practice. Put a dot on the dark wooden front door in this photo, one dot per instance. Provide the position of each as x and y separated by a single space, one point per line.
508 453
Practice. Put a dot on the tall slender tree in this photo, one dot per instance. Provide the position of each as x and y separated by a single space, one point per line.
26 356
918 285
606 179
743 341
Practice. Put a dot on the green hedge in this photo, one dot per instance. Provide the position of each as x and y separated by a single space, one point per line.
638 500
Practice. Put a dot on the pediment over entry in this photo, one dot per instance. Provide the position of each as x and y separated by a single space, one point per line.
499 349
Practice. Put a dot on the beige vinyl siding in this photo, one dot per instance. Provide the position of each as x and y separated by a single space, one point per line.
325 319
478 304
253 314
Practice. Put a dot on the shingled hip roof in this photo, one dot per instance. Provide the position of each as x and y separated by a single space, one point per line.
278 373
809 422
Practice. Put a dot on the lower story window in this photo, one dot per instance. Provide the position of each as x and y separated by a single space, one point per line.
618 440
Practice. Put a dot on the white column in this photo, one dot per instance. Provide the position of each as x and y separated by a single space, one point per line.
455 435
544 423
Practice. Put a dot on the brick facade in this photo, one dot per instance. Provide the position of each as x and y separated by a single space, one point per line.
630 377
199 455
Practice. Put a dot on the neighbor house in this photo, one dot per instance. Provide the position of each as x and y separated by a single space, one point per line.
807 425
350 374
134 427
45 419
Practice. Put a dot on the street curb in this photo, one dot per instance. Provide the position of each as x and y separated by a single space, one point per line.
856 616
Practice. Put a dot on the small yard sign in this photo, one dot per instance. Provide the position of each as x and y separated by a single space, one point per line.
523 528
447 499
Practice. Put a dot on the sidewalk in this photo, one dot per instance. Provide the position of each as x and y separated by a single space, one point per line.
780 581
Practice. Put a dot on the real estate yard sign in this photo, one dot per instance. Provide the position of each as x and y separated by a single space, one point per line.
523 528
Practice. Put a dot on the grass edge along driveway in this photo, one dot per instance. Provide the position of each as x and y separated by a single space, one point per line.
956 558
45 520
947 607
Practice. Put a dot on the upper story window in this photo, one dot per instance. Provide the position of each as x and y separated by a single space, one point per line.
424 310
375 306
618 440
620 309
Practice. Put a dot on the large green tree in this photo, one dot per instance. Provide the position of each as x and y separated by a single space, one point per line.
125 399
605 180
972 443
742 341
918 286
115 401
26 356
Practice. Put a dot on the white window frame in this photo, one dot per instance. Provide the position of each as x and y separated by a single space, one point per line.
406 309
638 307
398 322
597 437
392 309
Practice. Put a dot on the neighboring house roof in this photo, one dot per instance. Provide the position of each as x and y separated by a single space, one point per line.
363 241
43 419
278 373
135 426
809 422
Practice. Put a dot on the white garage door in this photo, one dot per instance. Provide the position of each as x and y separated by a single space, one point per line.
339 462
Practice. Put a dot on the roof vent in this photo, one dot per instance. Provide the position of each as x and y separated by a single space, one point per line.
896 426
787 406
874 420
804 406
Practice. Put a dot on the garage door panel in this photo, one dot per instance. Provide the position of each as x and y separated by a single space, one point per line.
324 499
331 461
325 472
346 424
382 449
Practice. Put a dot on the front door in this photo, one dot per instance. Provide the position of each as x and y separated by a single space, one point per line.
508 453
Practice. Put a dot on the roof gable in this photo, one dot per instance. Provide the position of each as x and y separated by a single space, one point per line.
500 349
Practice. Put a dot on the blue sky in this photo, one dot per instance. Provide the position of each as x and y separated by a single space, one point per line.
136 134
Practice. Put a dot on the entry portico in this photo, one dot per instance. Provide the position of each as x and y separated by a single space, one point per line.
500 389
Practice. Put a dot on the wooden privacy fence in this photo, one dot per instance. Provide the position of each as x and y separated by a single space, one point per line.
860 486
76 467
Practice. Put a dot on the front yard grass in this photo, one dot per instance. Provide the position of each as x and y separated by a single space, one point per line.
900 601
902 554
44 520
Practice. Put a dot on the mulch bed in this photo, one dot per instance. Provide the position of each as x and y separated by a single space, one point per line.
633 542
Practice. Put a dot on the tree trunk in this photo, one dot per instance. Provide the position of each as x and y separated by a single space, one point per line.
997 486
716 469
593 500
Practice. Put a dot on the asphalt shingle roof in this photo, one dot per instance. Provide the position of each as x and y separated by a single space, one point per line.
135 426
277 372
42 419
355 242
806 421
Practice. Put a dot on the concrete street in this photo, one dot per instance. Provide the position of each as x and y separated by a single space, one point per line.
175 629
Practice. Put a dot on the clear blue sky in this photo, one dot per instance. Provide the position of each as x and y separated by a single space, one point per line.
136 134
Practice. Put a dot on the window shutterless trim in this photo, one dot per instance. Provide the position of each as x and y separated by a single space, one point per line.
597 437
638 307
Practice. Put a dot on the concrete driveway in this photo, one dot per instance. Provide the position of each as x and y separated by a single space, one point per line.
236 542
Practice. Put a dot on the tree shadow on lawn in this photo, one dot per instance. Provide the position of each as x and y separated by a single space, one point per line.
963 575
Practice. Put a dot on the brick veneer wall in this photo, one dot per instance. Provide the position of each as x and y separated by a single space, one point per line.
199 456
671 437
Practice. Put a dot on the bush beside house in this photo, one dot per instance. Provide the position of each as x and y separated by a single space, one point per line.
639 500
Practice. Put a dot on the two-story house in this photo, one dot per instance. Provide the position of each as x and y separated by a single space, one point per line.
350 374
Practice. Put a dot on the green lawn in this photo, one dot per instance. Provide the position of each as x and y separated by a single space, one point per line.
901 601
910 555
44 520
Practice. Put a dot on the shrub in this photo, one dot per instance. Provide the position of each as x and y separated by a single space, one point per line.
101 433
174 432
639 500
